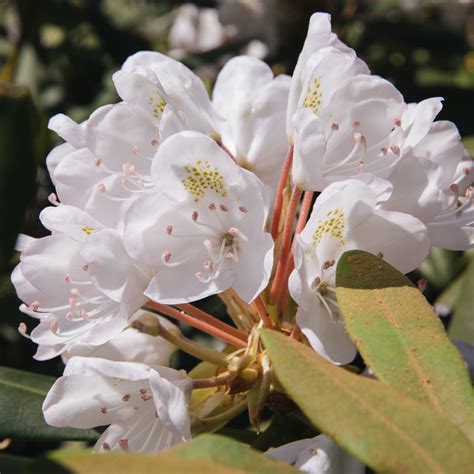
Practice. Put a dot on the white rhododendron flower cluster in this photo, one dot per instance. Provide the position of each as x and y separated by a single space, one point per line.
253 194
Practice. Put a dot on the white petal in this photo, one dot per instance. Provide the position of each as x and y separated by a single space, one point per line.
402 239
112 270
68 130
171 396
326 336
309 150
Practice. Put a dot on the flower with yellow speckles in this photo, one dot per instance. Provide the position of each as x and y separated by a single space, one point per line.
78 282
204 230
345 217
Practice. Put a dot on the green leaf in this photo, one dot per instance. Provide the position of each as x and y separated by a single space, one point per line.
210 454
401 338
21 396
18 134
383 427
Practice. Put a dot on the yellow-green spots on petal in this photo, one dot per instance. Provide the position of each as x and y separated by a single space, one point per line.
157 103
88 230
333 225
312 99
201 177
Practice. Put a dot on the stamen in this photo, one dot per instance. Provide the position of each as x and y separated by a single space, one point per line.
106 446
212 206
243 209
101 187
223 207
356 124
422 282
53 199
169 229
397 122
395 149
123 443
54 326
126 397
155 142
166 256
85 267
103 409
194 216
380 254
98 161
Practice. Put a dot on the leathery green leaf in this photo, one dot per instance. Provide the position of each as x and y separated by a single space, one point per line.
21 396
207 453
382 426
401 338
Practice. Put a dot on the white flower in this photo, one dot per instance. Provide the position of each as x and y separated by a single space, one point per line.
319 36
130 346
183 90
252 104
79 282
432 179
318 455
204 230
105 163
146 408
346 217
345 125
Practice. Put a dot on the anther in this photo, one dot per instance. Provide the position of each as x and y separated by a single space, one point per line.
106 446
54 326
397 122
145 396
169 229
143 390
69 316
53 199
98 161
83 314
335 127
103 409
85 267
124 183
35 305
466 171
166 256
194 216
155 142
126 397
223 207
101 187
395 149
335 315
356 124
135 151
360 165
357 136
208 265
212 206
123 443
200 276
243 209
380 254
230 256
316 283
422 282
67 278
22 328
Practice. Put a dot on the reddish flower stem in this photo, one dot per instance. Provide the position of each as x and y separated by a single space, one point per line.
279 279
196 323
262 312
208 318
277 210
302 219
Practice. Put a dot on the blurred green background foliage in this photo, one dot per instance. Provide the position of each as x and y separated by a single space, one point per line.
59 56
